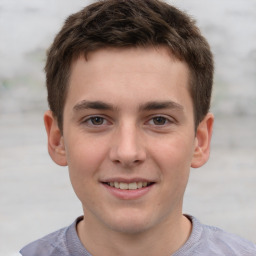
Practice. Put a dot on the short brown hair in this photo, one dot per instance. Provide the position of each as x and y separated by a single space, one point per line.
130 23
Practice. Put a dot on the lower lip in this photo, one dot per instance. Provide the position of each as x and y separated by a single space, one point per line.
126 194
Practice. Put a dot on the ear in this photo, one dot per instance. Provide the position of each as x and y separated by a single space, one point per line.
203 141
56 147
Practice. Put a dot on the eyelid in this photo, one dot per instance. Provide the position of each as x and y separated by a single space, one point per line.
90 117
169 119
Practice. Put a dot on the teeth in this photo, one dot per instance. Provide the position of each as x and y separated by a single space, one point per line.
139 184
116 184
132 185
124 185
128 186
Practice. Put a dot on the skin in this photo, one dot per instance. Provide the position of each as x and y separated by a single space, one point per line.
128 117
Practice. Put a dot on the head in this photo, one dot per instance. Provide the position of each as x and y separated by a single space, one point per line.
128 82
130 24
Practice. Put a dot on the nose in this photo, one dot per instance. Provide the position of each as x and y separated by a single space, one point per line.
127 147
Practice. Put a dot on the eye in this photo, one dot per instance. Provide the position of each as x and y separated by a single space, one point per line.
159 120
95 121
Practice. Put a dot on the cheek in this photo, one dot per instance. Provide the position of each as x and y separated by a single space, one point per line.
174 157
84 163
84 158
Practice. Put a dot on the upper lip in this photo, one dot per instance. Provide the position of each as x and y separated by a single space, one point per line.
126 180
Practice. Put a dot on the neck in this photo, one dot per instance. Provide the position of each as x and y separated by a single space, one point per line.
165 239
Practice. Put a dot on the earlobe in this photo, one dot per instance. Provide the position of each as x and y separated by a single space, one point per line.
56 146
203 141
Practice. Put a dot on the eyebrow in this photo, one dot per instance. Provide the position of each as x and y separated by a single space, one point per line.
152 105
157 105
92 105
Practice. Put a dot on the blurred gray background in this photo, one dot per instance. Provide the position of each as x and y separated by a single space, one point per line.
35 195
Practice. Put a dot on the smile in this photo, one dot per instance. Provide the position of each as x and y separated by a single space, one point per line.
129 186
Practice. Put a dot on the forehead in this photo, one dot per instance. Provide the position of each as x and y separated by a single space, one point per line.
141 74
151 57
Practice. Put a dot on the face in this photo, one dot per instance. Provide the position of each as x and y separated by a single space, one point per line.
129 137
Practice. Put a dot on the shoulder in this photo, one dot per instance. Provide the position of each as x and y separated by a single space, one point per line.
52 245
64 242
229 242
218 242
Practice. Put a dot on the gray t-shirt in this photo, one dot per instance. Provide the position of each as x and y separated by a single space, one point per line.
203 241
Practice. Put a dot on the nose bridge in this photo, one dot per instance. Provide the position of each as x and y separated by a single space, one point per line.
127 147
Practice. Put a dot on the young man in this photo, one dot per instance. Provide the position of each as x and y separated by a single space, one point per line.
129 86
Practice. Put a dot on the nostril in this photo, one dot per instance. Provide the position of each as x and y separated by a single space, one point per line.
127 154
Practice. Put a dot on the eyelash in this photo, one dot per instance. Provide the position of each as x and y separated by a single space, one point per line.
161 119
90 121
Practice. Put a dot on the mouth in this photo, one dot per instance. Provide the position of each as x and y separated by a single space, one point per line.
129 186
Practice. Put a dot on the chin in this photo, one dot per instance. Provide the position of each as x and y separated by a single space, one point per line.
131 224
